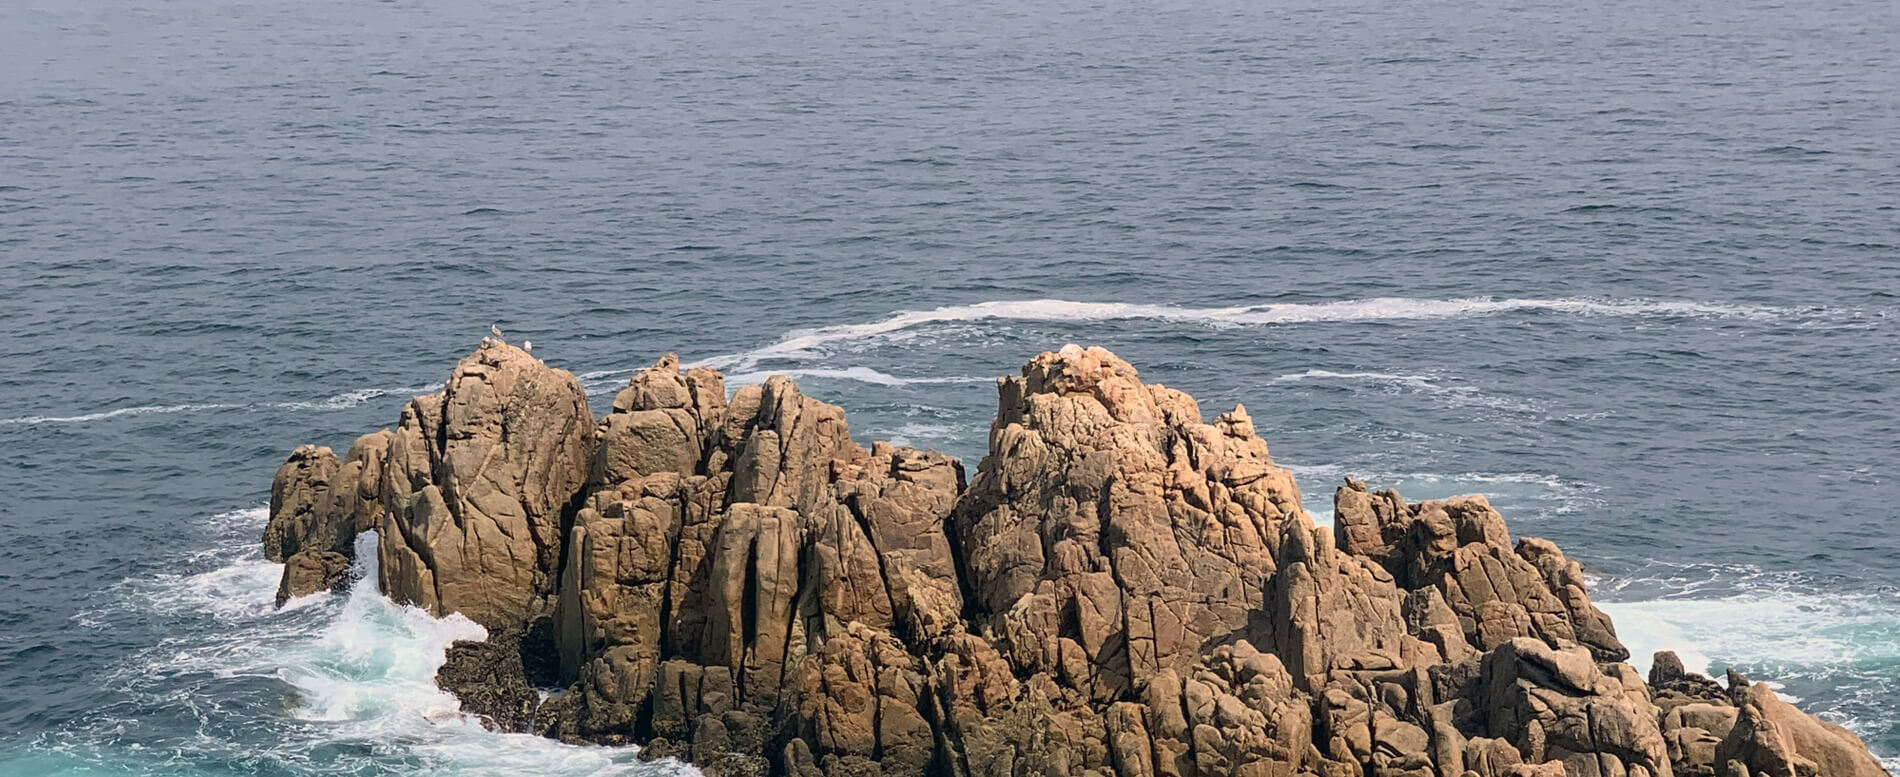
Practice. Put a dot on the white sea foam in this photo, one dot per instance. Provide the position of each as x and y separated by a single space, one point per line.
1449 394
371 673
357 669
124 411
343 401
1836 647
374 665
1419 381
1804 631
807 343
349 399
859 374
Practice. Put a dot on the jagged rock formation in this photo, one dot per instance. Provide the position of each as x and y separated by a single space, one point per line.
1120 590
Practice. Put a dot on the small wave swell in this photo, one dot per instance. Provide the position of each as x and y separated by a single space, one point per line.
859 374
806 343
343 401
104 414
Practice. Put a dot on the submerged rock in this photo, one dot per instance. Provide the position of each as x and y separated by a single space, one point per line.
1120 589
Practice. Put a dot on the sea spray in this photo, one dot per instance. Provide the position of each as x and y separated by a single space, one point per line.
376 662
330 684
370 673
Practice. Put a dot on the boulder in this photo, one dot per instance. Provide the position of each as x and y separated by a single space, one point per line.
1558 704
491 681
313 571
1770 738
300 515
317 507
1497 590
478 486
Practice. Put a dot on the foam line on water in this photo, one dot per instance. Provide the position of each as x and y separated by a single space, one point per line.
349 399
1379 479
805 343
859 374
343 401
123 411
1455 396
1420 381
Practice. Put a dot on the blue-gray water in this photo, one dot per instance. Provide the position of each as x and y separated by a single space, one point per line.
1632 268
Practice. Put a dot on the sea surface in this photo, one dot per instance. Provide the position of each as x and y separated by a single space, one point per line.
1630 268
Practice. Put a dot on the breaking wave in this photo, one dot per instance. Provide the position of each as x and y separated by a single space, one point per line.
340 684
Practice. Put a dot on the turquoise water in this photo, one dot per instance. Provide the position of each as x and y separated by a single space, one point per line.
1631 269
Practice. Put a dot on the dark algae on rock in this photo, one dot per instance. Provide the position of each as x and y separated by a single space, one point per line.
1120 590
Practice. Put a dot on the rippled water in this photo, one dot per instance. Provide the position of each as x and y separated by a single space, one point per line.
1632 269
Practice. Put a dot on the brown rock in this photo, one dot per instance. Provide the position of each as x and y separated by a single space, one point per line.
1110 533
740 585
478 481
1770 737
858 701
1460 546
1558 705
300 504
901 499
613 596
318 506
1328 610
313 571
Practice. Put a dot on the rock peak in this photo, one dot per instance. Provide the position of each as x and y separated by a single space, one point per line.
1121 589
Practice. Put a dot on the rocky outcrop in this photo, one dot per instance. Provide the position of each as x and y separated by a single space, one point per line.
1769 738
478 485
318 505
1460 546
1120 589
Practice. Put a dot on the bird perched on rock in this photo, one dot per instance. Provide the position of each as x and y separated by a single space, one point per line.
527 345
495 331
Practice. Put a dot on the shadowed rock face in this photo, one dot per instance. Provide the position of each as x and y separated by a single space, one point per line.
1120 589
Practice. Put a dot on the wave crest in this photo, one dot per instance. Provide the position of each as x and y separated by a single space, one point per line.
804 343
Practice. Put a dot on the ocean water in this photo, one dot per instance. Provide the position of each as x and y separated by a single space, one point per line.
1631 269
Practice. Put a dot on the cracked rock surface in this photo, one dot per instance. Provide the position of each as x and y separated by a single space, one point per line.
1121 588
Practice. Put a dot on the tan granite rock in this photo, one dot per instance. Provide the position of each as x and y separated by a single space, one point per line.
478 481
1121 590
